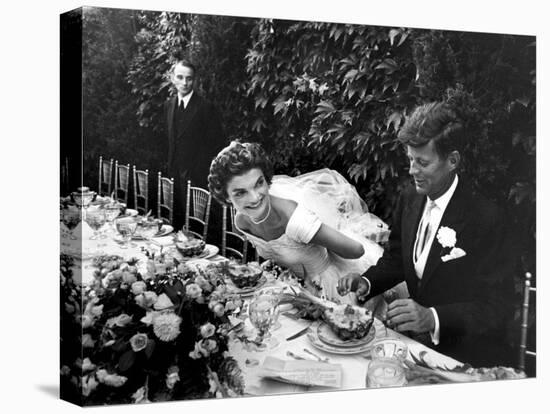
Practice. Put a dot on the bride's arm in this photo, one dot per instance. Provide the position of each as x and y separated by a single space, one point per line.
338 243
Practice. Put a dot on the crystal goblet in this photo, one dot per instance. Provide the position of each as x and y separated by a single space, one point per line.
71 217
126 227
263 312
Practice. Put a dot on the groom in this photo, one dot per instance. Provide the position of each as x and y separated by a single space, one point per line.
450 247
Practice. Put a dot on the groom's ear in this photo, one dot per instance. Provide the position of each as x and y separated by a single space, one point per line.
454 160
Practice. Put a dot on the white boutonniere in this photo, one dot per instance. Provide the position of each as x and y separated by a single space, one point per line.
447 238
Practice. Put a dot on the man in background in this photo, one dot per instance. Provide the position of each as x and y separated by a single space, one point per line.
195 136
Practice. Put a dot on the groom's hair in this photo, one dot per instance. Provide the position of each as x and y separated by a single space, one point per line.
435 121
236 159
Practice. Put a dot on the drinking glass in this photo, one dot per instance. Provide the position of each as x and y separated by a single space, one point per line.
112 211
386 372
126 226
263 312
96 220
71 218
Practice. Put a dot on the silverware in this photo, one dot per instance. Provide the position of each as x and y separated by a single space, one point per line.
293 355
298 334
320 359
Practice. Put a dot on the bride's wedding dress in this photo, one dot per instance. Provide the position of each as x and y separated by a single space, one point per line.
323 196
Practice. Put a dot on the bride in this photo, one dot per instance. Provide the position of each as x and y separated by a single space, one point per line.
314 224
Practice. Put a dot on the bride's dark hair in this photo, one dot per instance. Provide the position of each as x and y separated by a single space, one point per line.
236 159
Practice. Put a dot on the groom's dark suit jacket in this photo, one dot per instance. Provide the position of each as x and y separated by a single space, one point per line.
472 294
194 138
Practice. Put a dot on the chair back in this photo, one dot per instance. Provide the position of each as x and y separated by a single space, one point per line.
141 190
523 351
232 237
122 179
165 198
197 210
105 177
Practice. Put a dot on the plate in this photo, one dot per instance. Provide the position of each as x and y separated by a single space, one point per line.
329 337
248 291
130 212
313 337
209 251
164 230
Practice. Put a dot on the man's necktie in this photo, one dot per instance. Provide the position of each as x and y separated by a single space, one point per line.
181 107
425 230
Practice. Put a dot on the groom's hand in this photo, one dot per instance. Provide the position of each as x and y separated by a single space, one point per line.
407 315
352 282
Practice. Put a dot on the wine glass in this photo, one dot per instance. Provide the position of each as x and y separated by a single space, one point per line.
71 217
112 211
276 293
126 226
96 219
263 312
148 228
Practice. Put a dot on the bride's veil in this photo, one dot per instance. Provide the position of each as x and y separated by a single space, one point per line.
334 200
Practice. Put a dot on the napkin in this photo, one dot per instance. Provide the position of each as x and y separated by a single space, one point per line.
308 373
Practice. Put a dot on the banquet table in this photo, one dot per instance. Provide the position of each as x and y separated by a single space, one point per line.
354 367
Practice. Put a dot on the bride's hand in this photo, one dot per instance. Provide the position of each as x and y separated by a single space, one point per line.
352 282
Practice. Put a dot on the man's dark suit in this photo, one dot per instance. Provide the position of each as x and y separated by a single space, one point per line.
472 294
195 136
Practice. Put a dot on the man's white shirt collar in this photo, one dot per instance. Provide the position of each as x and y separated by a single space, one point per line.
442 201
185 99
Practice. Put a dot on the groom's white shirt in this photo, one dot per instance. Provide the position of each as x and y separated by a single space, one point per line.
441 204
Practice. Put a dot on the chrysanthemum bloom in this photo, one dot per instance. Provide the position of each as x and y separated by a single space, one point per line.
446 237
139 342
207 330
167 326
138 287
193 290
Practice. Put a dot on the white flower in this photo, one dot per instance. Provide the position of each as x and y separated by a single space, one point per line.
172 377
149 317
121 320
114 380
139 342
163 302
87 365
446 237
87 341
193 290
138 287
207 330
89 384
146 299
140 396
167 326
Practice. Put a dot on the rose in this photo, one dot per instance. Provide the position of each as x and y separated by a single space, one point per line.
171 379
203 283
128 277
139 342
138 287
446 237
219 309
193 290
207 330
146 299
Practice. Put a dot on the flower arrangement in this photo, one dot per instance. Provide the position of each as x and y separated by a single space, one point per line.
144 332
